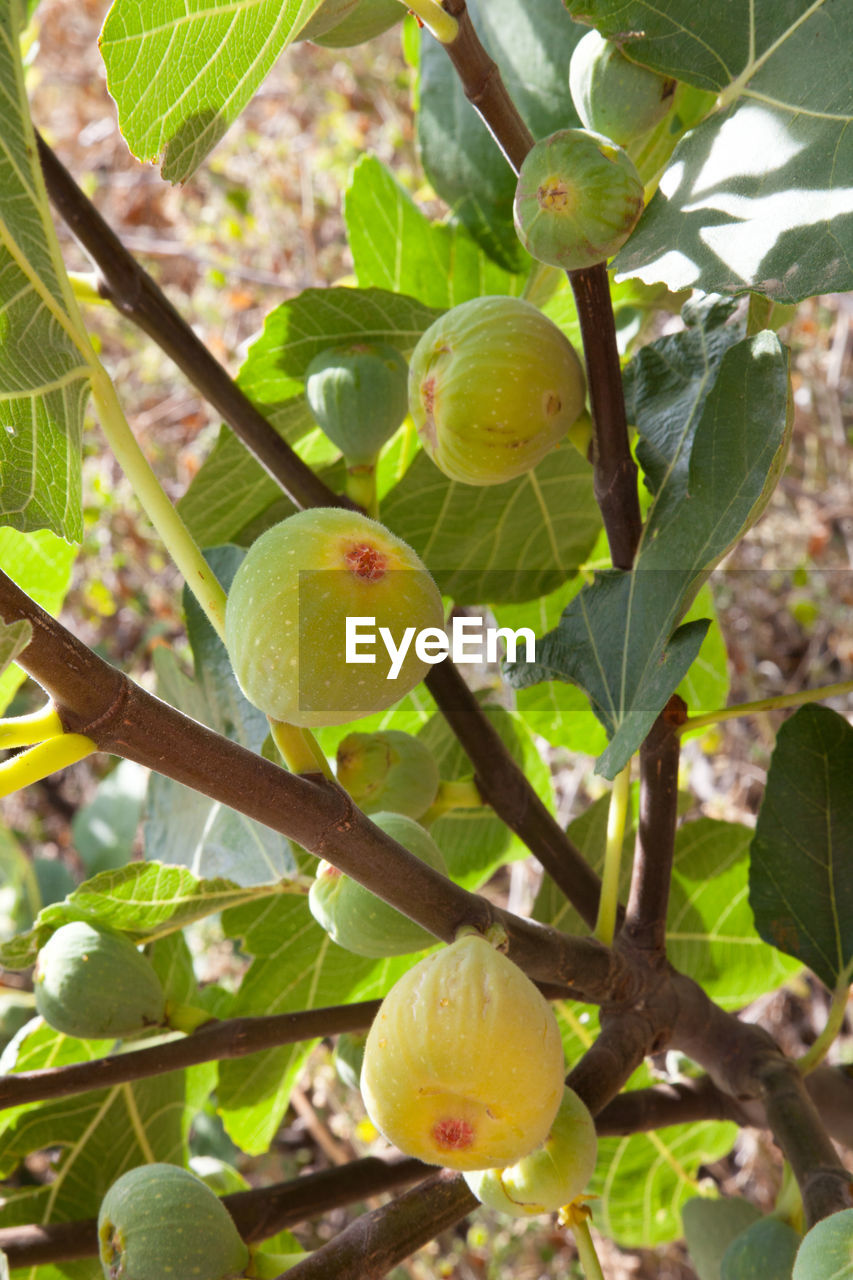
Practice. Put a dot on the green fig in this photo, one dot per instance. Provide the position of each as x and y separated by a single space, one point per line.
552 1175
764 1251
826 1252
370 18
160 1220
463 1064
93 984
358 395
494 385
359 921
577 200
614 96
389 770
294 608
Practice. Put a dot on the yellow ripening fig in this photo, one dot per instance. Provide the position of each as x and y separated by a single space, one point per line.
463 1064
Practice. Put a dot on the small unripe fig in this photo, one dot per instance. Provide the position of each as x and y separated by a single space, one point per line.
359 921
287 610
358 394
494 385
94 984
160 1220
577 200
368 19
552 1175
348 1057
325 17
613 95
389 770
463 1064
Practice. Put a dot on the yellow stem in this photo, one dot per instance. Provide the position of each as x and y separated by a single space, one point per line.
45 758
767 704
458 793
616 818
299 749
576 1216
444 27
38 726
816 1052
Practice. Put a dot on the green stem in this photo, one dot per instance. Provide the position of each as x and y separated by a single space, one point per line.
608 903
460 793
587 1256
434 17
165 519
299 749
816 1053
361 487
38 726
45 758
767 704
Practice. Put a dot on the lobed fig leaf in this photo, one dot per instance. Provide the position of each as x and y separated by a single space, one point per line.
359 921
552 1175
494 385
161 1220
463 1064
93 984
370 18
614 96
287 610
358 395
577 200
390 770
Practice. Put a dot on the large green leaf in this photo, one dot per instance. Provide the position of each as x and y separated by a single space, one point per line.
395 246
40 563
616 638
503 542
801 875
144 900
531 43
182 71
231 488
44 371
297 966
758 196
182 825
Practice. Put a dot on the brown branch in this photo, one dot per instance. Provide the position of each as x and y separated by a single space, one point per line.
645 916
369 1247
229 1038
504 787
135 295
258 1214
615 472
95 699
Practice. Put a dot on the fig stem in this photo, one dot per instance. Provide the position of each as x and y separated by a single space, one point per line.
43 759
361 487
299 749
456 793
778 701
24 731
608 903
817 1051
587 1256
435 18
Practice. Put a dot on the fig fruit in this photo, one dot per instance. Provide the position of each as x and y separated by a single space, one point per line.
325 17
390 770
463 1064
494 385
358 395
359 921
161 1220
614 96
370 18
93 984
577 200
552 1175
827 1249
286 618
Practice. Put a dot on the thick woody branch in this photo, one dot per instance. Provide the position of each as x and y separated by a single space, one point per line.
95 699
136 296
133 293
230 1038
645 916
